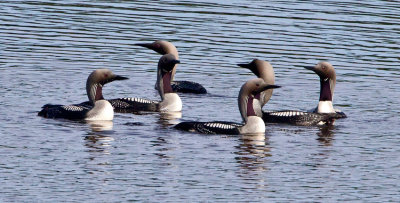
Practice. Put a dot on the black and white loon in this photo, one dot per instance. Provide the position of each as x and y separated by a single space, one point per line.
164 47
248 106
96 109
170 101
323 114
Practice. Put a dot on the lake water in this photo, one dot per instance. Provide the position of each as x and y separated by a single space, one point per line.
48 48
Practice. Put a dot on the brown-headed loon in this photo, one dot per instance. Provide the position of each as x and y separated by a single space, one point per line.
164 47
170 101
263 70
248 106
323 114
96 109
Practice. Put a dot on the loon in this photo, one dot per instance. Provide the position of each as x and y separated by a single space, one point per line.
263 70
165 47
96 109
323 114
170 101
248 105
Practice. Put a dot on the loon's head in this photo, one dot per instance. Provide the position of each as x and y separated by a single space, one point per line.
248 92
161 47
327 76
264 70
261 69
164 76
96 80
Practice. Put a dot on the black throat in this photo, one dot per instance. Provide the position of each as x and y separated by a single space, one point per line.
250 109
325 92
167 82
99 93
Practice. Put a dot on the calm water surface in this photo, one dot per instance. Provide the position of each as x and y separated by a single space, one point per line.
48 48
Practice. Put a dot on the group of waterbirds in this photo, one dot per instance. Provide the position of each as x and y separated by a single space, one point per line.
253 95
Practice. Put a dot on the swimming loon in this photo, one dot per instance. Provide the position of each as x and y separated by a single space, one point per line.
323 114
164 47
170 101
263 70
96 109
248 105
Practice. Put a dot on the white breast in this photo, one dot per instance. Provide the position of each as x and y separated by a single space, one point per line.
171 102
325 107
102 110
254 124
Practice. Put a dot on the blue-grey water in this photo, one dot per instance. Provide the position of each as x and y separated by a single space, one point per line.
48 48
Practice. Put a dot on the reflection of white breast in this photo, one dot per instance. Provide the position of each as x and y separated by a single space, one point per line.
102 110
171 102
325 107
254 124
100 125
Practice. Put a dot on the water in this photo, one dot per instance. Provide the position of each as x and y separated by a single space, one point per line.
48 48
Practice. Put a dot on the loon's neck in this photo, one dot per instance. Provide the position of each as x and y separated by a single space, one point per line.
166 80
326 92
325 97
250 106
254 106
163 82
254 123
267 74
253 120
102 110
172 50
94 92
257 104
170 101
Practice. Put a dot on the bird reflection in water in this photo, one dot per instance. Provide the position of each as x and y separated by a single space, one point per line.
98 152
325 134
169 118
97 140
99 126
252 152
